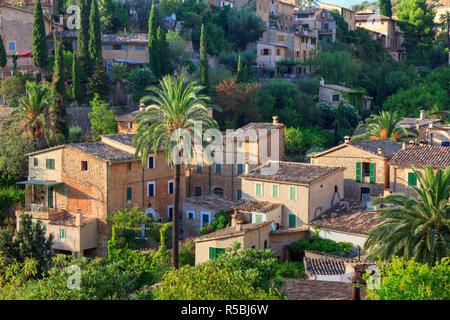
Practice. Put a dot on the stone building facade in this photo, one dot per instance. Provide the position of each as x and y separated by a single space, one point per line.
367 171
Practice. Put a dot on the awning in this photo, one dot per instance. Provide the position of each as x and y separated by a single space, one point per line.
130 61
40 182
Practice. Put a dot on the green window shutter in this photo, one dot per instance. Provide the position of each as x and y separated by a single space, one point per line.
372 172
212 253
219 251
129 193
251 218
292 220
358 172
259 189
265 244
313 161
412 179
292 193
258 218
35 161
275 191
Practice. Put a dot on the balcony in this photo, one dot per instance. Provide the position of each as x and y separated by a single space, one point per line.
38 211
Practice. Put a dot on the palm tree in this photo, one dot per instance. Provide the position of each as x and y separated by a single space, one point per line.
415 228
173 108
35 115
384 126
119 76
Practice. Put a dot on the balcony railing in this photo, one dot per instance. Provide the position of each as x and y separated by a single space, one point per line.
39 212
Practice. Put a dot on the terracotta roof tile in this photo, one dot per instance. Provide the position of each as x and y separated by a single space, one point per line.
213 201
256 206
297 289
435 156
389 147
103 151
232 231
314 266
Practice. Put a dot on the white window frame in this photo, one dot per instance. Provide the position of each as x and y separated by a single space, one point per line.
190 211
154 188
168 186
168 210
148 162
201 217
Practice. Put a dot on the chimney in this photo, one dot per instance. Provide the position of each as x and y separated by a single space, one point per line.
142 107
430 125
403 145
275 119
79 218
346 139
239 224
236 221
417 125
380 151
422 114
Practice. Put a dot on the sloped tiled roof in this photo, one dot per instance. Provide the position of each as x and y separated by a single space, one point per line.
389 147
212 201
103 151
257 206
232 231
299 289
348 216
252 129
435 156
124 138
291 172
315 266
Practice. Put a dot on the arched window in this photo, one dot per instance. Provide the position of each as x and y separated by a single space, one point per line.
148 211
218 191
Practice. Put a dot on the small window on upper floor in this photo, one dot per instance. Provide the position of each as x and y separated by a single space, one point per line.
130 125
12 46
335 97
151 162
129 166
50 164
139 48
84 165
35 162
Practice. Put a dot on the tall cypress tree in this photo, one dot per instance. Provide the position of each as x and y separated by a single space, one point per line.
3 59
76 90
83 37
163 52
60 89
153 44
39 38
204 68
95 35
241 72
385 8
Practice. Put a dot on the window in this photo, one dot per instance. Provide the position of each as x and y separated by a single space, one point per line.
198 191
199 168
151 162
151 189
265 244
313 161
190 214
292 221
12 46
364 169
218 191
239 194
412 179
109 67
116 47
278 52
130 126
292 193
129 166
123 47
303 39
139 48
129 194
275 191
205 218
35 162
280 38
265 52
335 97
240 168
170 213
313 41
259 191
215 252
50 164
75 45
258 218
107 47
218 168
62 233
170 187
84 165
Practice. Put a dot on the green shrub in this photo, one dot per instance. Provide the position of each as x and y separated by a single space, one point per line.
410 280
321 245
187 253
221 221
9 196
76 134
293 270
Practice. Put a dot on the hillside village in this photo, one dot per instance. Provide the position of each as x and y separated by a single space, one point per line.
333 149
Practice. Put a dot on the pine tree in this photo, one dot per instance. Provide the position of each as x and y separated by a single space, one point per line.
76 90
385 8
95 36
3 59
39 38
204 68
153 45
163 52
83 38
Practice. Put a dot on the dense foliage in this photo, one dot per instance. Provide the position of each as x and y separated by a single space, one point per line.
321 245
103 119
221 220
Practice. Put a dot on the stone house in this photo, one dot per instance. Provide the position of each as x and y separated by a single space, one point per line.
99 178
284 11
304 191
199 211
347 14
333 94
16 29
384 28
367 171
260 7
315 21
402 175
349 221
269 54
